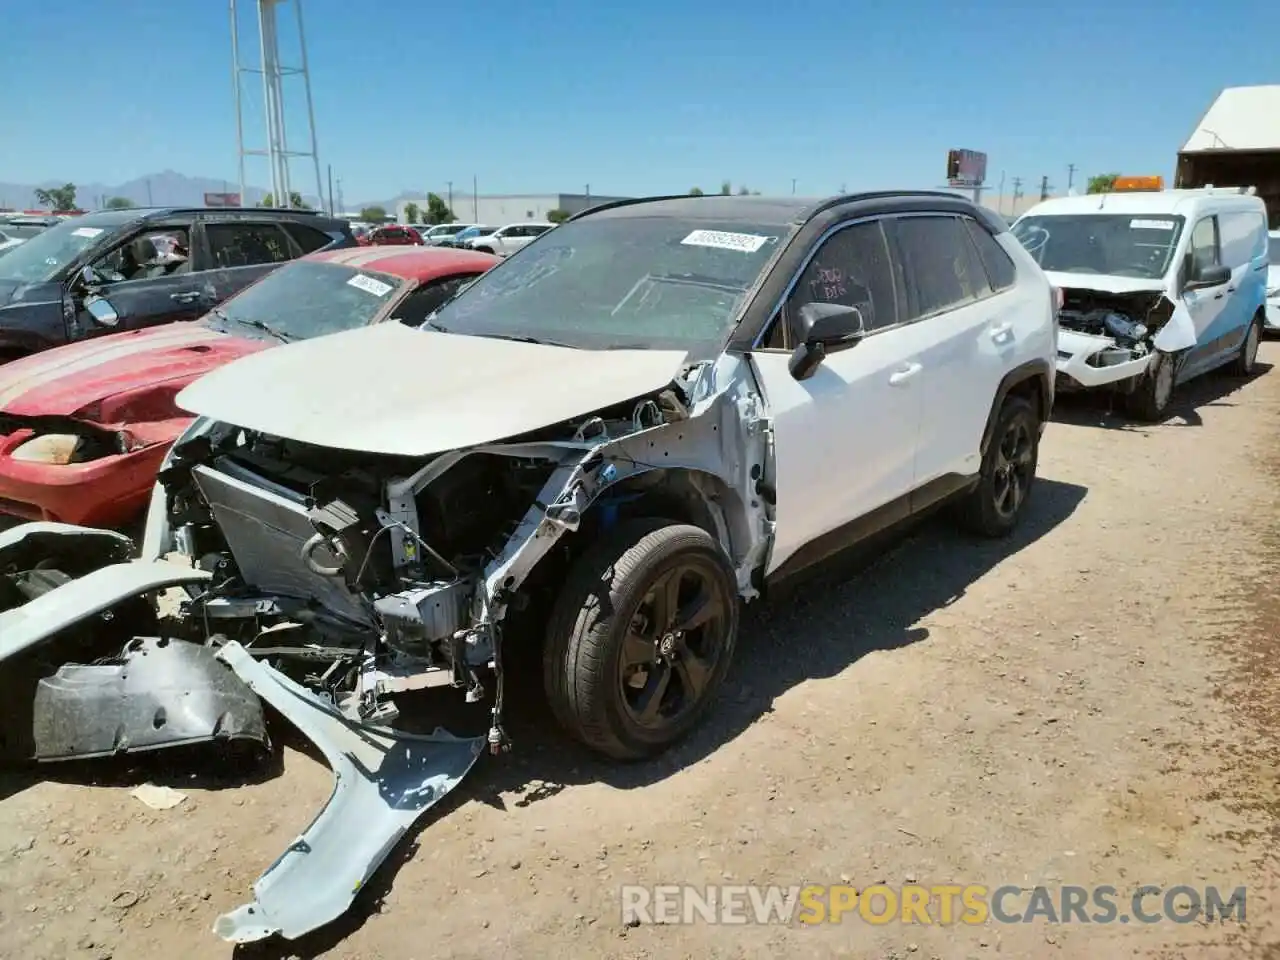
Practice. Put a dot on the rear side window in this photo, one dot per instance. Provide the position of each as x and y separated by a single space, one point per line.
999 266
246 244
941 263
308 238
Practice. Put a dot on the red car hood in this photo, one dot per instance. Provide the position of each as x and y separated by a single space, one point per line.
119 379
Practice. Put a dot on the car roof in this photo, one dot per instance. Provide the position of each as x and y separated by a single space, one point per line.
772 211
421 263
1169 202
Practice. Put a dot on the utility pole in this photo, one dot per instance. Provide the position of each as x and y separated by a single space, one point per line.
451 196
588 195
331 190
475 201
793 186
342 207
1071 177
1017 195
149 203
1044 187
1000 196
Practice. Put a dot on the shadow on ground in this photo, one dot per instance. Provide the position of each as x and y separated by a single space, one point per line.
868 602
1099 409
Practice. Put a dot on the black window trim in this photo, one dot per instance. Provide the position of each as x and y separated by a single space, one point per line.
904 290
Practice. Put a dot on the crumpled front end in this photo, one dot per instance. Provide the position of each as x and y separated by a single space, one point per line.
1106 339
334 582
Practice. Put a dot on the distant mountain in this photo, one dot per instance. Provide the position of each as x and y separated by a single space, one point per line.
166 189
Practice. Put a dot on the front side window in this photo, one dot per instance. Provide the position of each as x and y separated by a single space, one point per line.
308 298
1273 248
852 268
940 262
1111 244
1204 245
161 252
659 282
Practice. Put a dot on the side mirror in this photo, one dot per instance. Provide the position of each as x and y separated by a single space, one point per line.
1211 276
101 311
824 327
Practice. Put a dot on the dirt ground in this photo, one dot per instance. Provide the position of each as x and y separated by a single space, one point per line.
1091 703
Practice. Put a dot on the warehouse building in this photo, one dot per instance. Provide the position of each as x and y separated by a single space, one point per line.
499 209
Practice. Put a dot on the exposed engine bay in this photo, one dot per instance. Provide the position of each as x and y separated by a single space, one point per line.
1129 320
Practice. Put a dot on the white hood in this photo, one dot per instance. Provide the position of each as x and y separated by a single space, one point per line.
393 390
1108 284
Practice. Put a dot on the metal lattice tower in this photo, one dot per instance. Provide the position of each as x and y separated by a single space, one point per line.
273 74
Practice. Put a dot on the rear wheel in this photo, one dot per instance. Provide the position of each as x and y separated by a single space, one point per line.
1151 397
641 637
994 506
1247 358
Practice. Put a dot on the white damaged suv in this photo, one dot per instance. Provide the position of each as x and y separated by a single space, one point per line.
649 414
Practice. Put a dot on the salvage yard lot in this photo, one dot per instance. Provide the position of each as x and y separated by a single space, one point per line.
1089 703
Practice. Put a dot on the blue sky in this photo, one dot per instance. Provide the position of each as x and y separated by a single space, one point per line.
645 97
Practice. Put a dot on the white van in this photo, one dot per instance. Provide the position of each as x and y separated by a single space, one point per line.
1157 287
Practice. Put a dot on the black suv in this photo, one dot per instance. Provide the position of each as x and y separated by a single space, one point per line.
151 266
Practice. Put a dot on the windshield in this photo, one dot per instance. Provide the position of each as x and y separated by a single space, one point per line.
444 230
1273 247
308 298
44 254
611 282
1116 245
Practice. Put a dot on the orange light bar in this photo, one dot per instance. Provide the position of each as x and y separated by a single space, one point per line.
1137 184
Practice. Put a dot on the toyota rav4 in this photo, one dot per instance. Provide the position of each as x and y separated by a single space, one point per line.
656 410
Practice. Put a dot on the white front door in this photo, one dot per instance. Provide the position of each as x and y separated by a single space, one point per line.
845 437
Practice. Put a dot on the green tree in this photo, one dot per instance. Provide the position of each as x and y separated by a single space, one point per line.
58 198
557 216
412 213
295 201
696 192
374 214
744 192
119 203
438 211
1102 183
726 188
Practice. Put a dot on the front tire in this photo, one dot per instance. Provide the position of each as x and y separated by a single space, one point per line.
994 507
1151 397
641 637
1245 361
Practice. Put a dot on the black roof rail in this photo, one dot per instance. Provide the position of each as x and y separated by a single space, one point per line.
630 201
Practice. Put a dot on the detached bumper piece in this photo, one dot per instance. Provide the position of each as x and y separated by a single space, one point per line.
158 693
383 782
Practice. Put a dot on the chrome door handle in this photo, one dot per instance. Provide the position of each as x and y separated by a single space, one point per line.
190 297
903 374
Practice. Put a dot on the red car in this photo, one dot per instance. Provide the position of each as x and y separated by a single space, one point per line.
394 235
83 427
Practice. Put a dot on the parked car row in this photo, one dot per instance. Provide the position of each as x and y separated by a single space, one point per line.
15 229
598 446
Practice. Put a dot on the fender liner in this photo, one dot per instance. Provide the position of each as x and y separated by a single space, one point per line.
1040 370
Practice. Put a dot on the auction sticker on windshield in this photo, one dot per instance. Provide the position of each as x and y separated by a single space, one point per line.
742 242
369 285
89 232
1151 224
